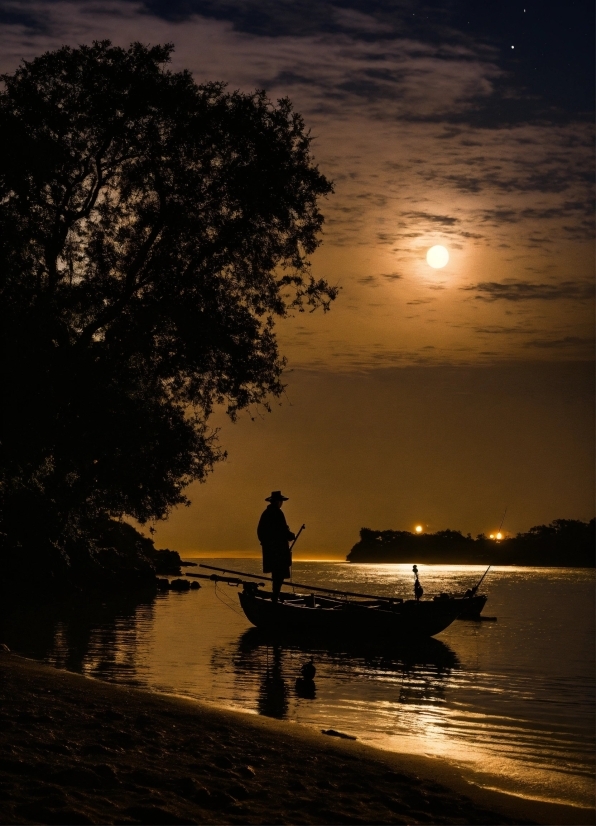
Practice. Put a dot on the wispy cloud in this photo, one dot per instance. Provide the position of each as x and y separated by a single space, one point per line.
557 343
502 330
442 220
529 291
368 280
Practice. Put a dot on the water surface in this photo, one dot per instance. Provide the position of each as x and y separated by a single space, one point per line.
512 700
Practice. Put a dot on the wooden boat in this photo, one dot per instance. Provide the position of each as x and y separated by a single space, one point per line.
333 613
375 619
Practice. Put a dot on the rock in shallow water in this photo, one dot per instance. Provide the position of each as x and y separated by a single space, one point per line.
179 585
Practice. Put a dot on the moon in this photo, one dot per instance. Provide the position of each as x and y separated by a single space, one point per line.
437 257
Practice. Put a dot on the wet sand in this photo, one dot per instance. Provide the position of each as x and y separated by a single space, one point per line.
75 750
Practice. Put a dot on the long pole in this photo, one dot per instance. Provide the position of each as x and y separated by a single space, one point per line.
297 535
302 585
503 519
302 527
476 587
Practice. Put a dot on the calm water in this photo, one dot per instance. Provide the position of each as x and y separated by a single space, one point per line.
512 700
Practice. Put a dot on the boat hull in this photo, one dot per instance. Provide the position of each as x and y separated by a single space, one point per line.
382 623
473 607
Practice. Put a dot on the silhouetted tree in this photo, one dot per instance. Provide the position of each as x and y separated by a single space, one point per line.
151 231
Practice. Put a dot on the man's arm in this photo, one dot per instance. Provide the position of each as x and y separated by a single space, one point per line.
289 533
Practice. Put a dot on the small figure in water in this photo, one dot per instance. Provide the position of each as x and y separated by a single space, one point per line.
308 670
305 685
418 589
275 536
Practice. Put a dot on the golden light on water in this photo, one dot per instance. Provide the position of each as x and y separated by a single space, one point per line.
418 528
437 257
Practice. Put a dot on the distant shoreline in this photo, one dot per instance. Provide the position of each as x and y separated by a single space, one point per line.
416 561
565 543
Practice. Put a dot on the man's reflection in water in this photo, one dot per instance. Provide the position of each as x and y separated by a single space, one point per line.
420 671
273 693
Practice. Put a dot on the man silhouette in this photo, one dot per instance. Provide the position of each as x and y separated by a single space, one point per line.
274 536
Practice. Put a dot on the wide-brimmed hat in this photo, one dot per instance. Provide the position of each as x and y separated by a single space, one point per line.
276 496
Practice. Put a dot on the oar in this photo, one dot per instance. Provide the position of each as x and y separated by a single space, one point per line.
309 587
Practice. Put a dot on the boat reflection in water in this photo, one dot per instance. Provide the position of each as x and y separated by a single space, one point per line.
416 672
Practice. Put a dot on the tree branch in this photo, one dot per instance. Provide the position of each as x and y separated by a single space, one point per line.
132 286
66 218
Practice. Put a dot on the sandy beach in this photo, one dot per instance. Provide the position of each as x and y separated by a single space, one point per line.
76 750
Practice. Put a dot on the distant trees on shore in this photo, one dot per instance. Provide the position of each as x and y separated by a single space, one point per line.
564 542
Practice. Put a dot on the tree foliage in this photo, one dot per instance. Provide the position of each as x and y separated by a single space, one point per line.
151 232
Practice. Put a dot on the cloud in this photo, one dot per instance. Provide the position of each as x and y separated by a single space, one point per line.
443 220
17 14
528 291
557 343
362 24
501 330
540 214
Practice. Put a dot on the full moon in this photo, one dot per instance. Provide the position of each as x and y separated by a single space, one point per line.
437 257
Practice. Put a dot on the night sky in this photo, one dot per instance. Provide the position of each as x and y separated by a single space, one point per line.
426 396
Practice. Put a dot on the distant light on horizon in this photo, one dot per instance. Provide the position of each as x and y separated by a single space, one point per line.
418 528
492 536
499 535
